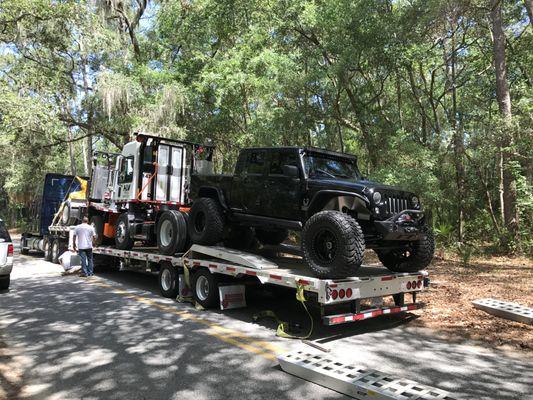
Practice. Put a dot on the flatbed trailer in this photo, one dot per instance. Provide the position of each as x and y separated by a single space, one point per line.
210 268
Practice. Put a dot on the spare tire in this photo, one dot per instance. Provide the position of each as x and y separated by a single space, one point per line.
206 221
271 236
171 232
413 257
333 244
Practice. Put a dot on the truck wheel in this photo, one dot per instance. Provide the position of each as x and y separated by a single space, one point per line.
98 224
415 257
206 221
123 240
4 282
240 237
171 232
168 281
205 289
24 246
275 236
55 251
333 244
47 249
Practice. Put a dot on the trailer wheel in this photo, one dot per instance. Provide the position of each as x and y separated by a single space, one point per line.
47 249
171 232
205 288
206 221
55 251
240 237
274 236
333 244
168 281
415 257
123 239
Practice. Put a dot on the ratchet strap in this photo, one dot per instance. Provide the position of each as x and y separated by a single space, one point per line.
188 299
284 328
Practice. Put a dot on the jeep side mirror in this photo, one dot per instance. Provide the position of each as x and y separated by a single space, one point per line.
291 171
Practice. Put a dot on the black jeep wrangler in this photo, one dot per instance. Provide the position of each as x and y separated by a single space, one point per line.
319 192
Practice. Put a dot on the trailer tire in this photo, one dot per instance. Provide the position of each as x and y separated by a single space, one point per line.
412 259
171 232
168 281
333 244
240 237
273 237
205 288
47 249
123 239
206 221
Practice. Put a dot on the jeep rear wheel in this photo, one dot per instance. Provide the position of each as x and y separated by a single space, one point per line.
274 236
333 244
206 221
414 257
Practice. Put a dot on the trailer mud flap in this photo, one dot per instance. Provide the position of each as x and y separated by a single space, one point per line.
232 296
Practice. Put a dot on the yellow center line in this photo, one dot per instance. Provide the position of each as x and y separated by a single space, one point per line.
228 335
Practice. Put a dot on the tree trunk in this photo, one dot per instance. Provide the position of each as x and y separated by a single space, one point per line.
510 210
529 9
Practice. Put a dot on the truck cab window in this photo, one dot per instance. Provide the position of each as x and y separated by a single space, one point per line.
256 162
126 170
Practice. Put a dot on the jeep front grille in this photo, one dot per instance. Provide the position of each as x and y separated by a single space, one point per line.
396 203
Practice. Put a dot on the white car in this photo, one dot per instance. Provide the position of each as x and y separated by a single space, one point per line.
6 256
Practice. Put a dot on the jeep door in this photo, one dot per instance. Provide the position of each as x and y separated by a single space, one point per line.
282 192
247 190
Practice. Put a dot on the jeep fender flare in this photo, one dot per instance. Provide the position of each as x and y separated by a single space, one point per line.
322 197
214 193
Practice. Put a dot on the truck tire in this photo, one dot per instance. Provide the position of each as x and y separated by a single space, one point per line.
168 281
205 288
333 244
4 282
56 251
206 221
415 257
123 239
274 236
24 250
240 237
47 249
171 232
98 224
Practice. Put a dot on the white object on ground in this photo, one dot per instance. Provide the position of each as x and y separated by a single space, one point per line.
506 309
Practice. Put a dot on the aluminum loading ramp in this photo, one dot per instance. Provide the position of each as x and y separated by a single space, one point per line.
505 309
245 259
324 369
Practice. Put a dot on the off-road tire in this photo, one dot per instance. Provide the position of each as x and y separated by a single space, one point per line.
209 298
206 221
4 282
174 223
346 244
416 258
240 237
47 249
273 237
123 242
168 281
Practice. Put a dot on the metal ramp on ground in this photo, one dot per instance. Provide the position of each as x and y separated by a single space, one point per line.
360 383
233 256
505 309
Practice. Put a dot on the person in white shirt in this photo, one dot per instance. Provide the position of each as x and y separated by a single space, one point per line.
84 236
65 260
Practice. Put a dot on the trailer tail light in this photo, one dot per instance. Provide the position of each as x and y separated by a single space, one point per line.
342 293
408 285
349 292
413 284
10 250
419 284
334 294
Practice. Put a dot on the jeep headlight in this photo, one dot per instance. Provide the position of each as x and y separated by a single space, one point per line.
376 197
415 201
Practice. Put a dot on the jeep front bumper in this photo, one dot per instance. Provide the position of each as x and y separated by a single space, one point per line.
406 225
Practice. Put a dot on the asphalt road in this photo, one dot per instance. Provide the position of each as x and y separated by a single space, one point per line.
114 337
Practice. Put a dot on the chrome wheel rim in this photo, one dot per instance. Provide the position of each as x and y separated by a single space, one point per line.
121 231
166 280
202 288
166 233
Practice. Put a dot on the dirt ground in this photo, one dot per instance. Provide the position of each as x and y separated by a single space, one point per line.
454 286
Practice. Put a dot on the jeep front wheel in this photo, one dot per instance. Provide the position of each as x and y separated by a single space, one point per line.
333 244
414 257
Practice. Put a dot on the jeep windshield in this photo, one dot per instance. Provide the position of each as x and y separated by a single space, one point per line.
328 166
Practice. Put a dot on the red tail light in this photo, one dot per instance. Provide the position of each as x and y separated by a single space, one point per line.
413 284
10 250
408 285
342 293
349 292
334 294
419 284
